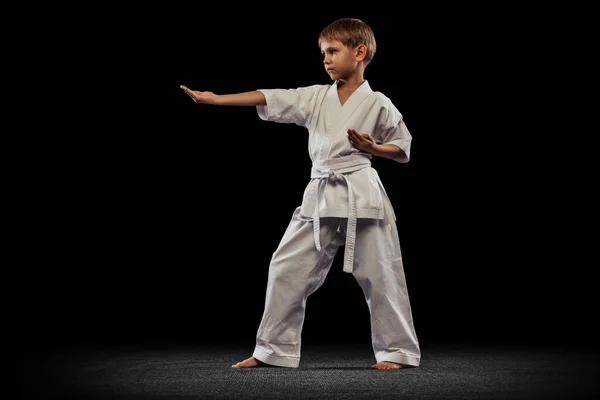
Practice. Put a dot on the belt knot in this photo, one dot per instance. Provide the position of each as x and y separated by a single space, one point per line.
334 176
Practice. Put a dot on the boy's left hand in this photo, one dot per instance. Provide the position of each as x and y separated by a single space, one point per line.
362 141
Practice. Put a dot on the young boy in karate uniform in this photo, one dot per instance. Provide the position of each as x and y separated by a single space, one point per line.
343 204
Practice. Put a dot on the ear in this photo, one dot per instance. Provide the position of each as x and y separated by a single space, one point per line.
361 52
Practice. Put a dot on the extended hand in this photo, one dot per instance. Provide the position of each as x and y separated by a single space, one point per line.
362 141
200 97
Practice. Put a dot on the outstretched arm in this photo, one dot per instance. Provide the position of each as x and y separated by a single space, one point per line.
253 98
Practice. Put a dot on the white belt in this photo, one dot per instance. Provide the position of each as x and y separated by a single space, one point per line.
334 169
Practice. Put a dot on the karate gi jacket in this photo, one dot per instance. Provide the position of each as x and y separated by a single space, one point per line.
342 182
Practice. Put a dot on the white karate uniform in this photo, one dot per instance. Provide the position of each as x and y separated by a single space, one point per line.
344 203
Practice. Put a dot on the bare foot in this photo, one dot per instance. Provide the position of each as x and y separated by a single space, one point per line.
250 363
387 365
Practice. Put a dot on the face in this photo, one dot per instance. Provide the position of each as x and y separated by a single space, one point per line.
339 60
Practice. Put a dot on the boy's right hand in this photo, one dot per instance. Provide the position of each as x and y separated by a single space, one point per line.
200 97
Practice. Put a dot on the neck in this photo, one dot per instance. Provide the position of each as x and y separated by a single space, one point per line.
352 82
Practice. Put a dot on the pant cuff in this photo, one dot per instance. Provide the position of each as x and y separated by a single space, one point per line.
278 361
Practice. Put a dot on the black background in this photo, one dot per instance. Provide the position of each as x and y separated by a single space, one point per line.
154 218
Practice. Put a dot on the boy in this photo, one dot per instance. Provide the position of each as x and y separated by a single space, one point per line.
344 203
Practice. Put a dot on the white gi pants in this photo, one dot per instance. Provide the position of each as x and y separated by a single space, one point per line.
298 269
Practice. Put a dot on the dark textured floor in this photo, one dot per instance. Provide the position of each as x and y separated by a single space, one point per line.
326 372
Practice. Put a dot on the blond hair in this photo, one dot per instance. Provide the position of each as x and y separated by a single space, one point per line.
351 32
